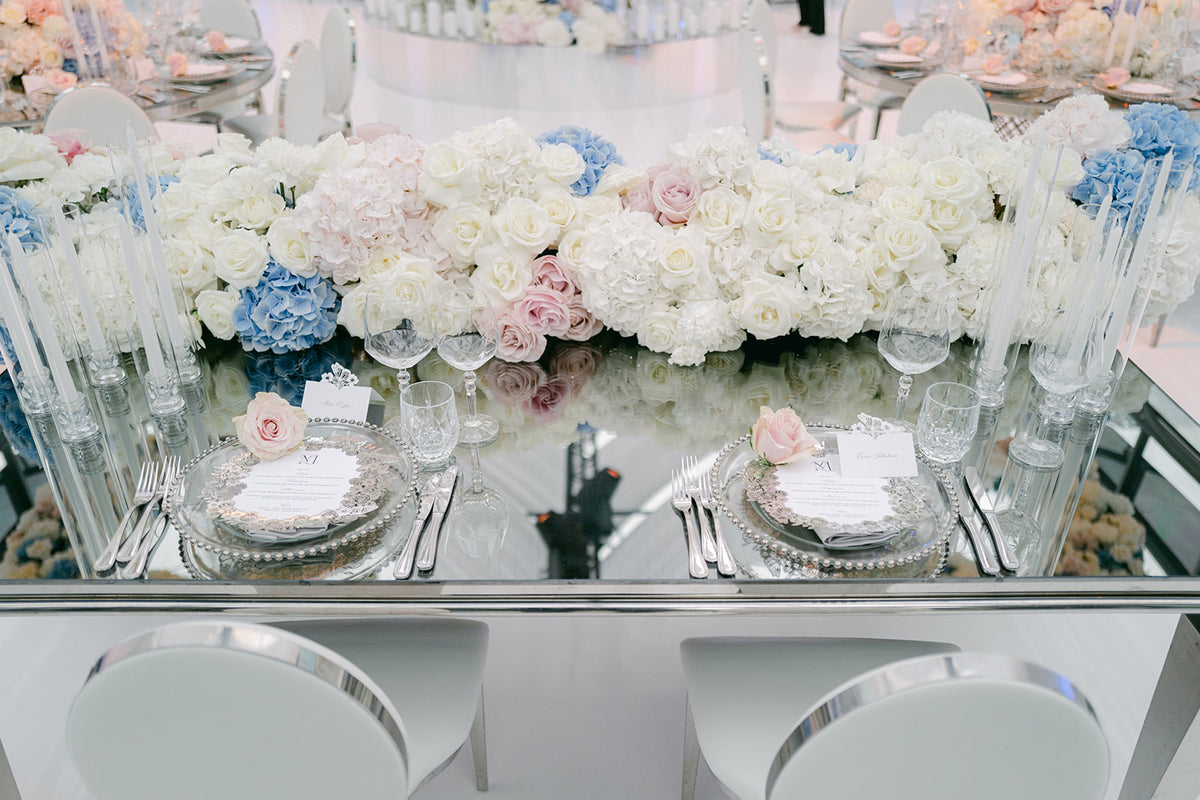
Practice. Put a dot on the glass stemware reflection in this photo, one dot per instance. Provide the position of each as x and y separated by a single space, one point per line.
915 338
429 422
467 333
480 519
947 423
397 332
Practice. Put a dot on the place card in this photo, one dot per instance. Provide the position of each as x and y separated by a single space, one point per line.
881 455
338 396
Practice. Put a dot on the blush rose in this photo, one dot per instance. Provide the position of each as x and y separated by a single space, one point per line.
780 437
271 427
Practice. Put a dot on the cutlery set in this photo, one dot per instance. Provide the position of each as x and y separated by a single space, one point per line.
143 526
692 497
434 499
987 548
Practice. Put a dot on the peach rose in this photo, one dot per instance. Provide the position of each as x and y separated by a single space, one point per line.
994 64
892 28
271 427
780 437
177 63
1114 77
913 45
216 41
970 45
58 80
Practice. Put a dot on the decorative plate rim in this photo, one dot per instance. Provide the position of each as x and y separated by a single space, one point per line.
1137 97
1032 83
232 70
325 546
938 542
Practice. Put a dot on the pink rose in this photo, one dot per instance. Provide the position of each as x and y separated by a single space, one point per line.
69 142
892 28
548 401
512 384
780 437
58 80
548 272
1114 77
36 11
271 427
912 45
1054 6
994 64
674 195
1018 6
513 30
584 325
516 342
216 41
543 311
577 363
638 198
177 63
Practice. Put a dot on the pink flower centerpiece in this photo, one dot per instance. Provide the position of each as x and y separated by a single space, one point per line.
779 437
271 427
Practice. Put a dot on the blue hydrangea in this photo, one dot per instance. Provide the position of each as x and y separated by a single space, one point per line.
567 18
19 217
1119 174
70 65
62 568
1159 129
768 155
596 151
135 200
844 148
14 423
286 373
608 5
285 312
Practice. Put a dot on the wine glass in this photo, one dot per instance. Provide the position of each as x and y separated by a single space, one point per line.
429 422
397 332
915 338
948 421
466 338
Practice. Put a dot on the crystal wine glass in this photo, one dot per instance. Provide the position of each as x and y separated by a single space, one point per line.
397 332
466 338
915 338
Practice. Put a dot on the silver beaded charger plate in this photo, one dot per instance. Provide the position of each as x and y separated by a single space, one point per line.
392 477
205 72
1169 93
1030 83
922 540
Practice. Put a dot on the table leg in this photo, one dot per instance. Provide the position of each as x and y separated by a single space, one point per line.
1158 758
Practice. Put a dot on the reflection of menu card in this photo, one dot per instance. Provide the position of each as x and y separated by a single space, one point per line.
814 487
307 483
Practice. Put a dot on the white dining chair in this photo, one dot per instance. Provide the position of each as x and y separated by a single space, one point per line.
859 16
339 54
102 113
231 17
300 102
859 719
199 710
943 92
792 116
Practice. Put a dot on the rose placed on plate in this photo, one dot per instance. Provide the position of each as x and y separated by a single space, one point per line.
177 64
995 63
779 437
216 41
913 45
1114 77
271 427
892 28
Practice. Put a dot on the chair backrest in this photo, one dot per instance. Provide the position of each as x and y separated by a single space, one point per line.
865 15
943 92
339 53
926 727
209 709
302 95
102 113
754 83
760 20
233 17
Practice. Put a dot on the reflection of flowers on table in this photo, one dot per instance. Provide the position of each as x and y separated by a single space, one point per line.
38 547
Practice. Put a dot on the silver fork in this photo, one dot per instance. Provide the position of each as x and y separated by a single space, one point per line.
147 484
725 564
141 556
708 545
683 503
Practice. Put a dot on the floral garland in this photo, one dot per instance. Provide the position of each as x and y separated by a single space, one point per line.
723 240
592 26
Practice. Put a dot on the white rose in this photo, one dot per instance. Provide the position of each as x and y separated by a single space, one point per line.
767 308
524 225
241 257
554 32
560 163
680 260
560 208
591 37
231 389
503 274
570 249
234 146
461 230
412 281
289 247
910 245
215 310
771 219
354 305
206 171
190 263
258 211
720 212
901 172
951 222
953 179
901 202
657 329
771 178
449 174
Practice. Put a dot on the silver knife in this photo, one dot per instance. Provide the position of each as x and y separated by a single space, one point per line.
987 561
429 544
404 564
1008 559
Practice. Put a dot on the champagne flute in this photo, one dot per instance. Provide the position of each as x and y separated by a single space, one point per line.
467 334
397 332
915 338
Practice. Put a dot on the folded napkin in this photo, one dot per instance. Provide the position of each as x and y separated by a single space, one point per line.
876 37
898 58
855 539
273 537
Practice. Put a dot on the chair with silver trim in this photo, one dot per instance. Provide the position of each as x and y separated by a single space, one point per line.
852 719
859 16
231 17
332 708
102 113
942 92
300 105
339 53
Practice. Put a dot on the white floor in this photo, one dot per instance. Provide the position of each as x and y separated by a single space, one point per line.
591 707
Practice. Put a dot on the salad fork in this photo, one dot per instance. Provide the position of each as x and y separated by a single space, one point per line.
725 563
141 556
147 484
134 540
682 502
708 545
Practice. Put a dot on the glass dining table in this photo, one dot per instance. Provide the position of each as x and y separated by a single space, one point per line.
570 510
